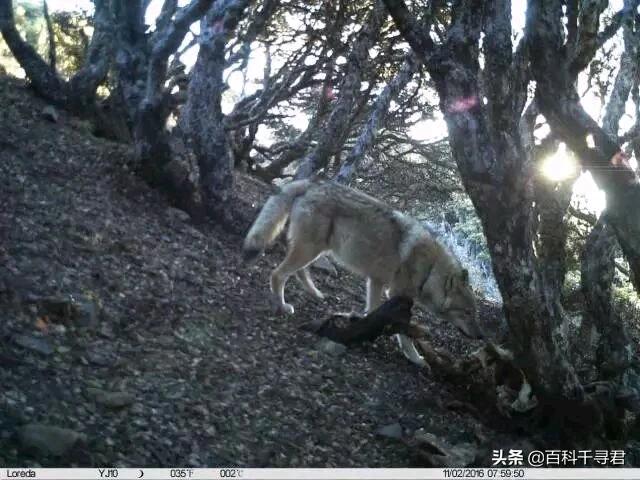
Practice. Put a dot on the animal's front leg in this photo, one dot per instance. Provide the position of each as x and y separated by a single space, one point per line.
407 346
298 256
410 351
374 294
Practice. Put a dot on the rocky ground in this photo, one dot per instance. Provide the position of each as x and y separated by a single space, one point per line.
131 337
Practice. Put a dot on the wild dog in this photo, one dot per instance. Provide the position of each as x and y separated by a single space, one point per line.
391 250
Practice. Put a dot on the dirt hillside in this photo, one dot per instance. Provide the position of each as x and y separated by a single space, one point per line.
131 337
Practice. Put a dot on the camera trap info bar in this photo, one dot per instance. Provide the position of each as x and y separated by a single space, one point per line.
317 473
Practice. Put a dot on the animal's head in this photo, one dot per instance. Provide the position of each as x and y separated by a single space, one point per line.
445 290
459 305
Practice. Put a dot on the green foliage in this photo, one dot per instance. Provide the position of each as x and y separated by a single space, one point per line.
572 283
30 20
625 298
31 25
469 227
72 32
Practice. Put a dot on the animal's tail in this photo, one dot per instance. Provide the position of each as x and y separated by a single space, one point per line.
272 219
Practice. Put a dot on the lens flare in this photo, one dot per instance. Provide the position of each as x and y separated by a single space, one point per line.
560 166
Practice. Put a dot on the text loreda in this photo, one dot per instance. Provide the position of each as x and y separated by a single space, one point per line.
21 473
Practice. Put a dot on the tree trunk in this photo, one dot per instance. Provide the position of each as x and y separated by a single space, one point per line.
142 64
153 149
613 355
598 258
497 171
552 202
202 117
50 36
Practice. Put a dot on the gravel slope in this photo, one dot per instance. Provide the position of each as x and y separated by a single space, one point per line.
147 343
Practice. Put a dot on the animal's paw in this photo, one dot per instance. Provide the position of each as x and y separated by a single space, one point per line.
282 308
409 350
287 308
319 295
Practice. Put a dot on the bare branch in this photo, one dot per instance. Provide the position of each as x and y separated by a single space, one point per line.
167 12
337 122
256 27
376 120
167 41
413 32
589 40
625 79
50 36
99 53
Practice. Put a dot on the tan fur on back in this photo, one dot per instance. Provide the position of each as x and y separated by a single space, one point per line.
364 234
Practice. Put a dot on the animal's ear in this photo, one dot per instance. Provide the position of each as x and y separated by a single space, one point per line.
465 275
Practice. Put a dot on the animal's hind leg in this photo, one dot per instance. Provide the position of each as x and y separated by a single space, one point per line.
304 276
299 255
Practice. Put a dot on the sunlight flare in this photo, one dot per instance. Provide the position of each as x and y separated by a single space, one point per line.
560 166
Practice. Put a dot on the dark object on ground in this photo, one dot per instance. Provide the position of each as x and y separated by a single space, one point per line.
391 317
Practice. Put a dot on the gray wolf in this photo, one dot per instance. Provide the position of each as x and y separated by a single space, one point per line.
392 251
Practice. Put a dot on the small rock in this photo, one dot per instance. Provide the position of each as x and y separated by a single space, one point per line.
48 439
177 214
391 431
441 454
100 353
106 330
332 348
58 307
111 399
37 344
85 313
201 409
100 358
79 309
51 114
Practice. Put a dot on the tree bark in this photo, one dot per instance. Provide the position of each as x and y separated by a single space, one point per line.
614 352
202 117
142 65
50 36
